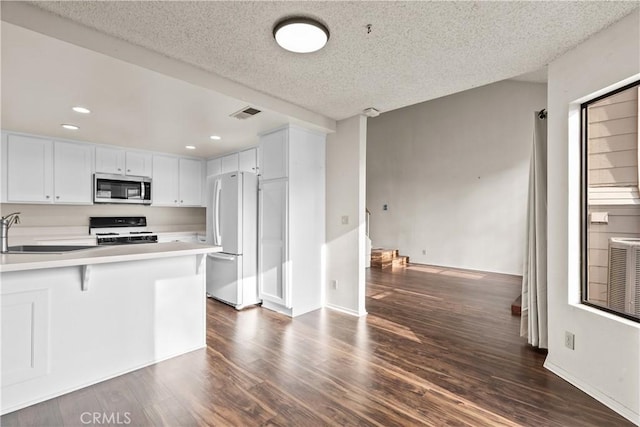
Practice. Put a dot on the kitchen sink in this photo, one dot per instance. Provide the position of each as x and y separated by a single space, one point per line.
46 249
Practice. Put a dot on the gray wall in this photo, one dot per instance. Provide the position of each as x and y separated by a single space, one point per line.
454 173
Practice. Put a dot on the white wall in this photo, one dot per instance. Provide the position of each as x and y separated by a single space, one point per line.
606 359
345 190
454 173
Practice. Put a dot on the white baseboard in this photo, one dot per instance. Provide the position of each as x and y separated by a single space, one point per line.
346 310
616 406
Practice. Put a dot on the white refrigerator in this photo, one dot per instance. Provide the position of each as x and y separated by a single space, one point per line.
232 222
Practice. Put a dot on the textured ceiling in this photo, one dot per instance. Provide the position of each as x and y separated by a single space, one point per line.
416 51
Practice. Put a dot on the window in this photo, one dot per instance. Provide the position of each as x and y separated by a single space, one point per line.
611 202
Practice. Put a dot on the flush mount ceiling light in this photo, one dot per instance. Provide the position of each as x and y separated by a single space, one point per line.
301 35
190 147
69 127
215 137
81 110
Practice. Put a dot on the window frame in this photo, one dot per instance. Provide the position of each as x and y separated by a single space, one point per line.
584 197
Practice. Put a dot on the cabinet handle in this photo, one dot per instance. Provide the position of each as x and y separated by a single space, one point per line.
175 201
181 201
57 197
128 170
119 170
48 197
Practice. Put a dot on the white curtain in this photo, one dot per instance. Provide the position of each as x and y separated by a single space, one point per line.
533 323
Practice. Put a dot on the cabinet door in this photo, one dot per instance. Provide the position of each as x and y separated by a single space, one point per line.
214 167
229 163
273 155
29 169
72 167
164 186
190 182
25 335
272 238
248 161
138 164
109 160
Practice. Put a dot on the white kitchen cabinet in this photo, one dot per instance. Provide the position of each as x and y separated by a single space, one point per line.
248 161
29 169
72 173
43 171
291 220
25 335
138 164
229 163
272 250
274 155
214 167
164 185
190 182
120 162
110 160
176 181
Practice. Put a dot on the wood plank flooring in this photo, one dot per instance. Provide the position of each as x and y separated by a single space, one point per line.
438 347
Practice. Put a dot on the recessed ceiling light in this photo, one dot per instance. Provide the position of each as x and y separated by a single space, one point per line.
301 35
81 110
70 127
215 137
190 147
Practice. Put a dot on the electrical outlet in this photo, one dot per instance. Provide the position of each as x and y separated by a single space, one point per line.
569 340
334 284
424 252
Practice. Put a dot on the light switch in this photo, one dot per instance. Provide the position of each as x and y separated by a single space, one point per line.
345 219
599 217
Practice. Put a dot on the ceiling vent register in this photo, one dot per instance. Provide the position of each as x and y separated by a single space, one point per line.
245 113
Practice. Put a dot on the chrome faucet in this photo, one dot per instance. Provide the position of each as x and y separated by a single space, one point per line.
5 223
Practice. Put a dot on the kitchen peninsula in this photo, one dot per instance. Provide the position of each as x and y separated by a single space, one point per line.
73 319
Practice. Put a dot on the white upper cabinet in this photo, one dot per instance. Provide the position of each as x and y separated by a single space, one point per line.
138 164
72 170
110 160
273 155
120 162
29 169
248 161
190 182
214 167
176 181
164 184
43 171
229 163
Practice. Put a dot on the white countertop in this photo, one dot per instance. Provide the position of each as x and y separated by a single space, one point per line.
102 255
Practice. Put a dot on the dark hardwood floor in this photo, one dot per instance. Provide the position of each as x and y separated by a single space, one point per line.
438 347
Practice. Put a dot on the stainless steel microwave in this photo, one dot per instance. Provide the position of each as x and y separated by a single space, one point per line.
121 189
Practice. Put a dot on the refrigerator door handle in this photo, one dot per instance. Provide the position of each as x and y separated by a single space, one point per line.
222 257
216 213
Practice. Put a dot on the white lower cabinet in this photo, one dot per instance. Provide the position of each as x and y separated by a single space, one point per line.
25 335
291 221
44 171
